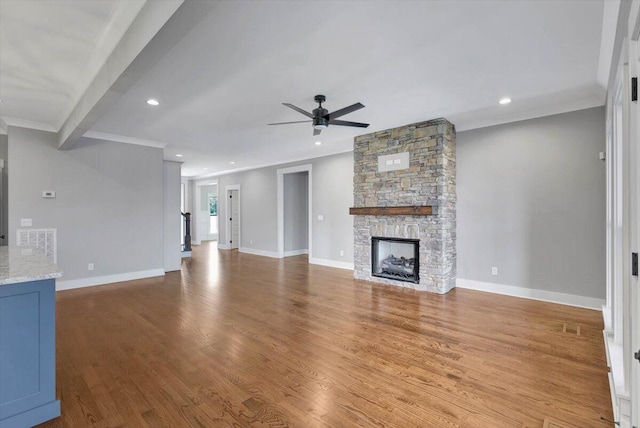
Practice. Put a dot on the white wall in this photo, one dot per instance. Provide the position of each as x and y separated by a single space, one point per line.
531 202
172 216
108 208
296 211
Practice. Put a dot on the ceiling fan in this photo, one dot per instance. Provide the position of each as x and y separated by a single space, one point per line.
321 118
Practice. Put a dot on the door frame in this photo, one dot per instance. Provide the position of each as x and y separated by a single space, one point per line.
280 205
634 141
197 238
227 211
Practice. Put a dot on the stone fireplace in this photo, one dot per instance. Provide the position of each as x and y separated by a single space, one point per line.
405 189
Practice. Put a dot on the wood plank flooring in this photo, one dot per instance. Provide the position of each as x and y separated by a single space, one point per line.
246 341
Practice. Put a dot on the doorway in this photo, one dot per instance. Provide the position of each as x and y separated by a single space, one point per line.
233 222
296 213
281 173
204 220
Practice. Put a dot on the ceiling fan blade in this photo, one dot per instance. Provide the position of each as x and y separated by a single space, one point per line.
336 114
316 131
347 123
298 109
286 123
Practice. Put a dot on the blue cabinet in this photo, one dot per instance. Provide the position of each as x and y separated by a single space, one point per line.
27 354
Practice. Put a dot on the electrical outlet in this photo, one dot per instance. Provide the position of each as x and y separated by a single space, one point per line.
251 242
341 253
26 222
494 271
320 217
90 266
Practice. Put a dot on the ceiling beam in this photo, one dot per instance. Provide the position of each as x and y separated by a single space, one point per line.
159 26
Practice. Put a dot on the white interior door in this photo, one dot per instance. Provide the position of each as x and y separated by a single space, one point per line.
234 219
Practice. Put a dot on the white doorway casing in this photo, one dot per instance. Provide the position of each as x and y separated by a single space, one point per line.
634 137
622 310
280 205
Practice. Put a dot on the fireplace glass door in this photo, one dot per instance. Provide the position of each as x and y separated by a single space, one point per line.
395 258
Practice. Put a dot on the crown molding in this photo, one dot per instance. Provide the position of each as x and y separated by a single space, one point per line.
25 123
124 139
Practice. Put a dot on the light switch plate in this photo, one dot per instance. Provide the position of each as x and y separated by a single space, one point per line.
26 222
48 194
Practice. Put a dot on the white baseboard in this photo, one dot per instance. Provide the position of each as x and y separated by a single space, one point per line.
532 293
295 253
331 263
223 246
108 279
257 252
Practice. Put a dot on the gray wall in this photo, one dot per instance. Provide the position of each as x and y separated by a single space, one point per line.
172 217
109 204
531 201
4 205
296 211
332 181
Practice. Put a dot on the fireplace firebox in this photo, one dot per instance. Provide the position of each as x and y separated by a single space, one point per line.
395 258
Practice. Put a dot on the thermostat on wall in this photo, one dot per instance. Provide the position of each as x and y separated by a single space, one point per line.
48 194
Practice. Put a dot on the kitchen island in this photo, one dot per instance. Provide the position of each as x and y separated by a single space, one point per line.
27 338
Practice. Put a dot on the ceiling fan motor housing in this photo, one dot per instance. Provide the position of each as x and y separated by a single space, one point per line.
320 118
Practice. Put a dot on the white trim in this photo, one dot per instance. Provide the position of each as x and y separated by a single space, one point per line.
532 293
620 394
30 124
331 263
227 223
607 40
223 246
280 205
295 253
108 279
124 139
257 252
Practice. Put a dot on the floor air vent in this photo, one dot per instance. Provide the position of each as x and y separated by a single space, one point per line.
571 328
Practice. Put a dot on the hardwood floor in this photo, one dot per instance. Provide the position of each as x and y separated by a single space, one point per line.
247 341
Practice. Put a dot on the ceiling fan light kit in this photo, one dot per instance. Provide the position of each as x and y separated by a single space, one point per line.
321 118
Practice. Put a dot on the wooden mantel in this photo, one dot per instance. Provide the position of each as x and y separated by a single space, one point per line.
408 210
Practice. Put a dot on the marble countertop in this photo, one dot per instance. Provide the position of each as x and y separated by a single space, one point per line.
21 264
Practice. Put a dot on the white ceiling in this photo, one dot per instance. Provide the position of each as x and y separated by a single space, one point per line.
405 61
51 50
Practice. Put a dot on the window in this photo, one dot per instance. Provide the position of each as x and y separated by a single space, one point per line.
213 214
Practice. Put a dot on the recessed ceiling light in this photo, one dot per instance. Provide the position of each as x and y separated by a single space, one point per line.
232 163
178 155
318 143
505 101
205 168
152 102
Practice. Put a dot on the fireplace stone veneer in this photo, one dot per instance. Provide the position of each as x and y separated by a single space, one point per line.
430 180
